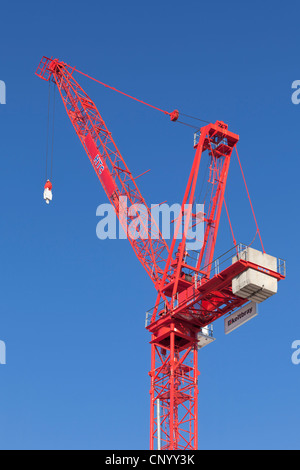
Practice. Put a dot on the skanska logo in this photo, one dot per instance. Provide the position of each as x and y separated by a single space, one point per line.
2 92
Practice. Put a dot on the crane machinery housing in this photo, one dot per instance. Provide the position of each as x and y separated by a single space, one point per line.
192 292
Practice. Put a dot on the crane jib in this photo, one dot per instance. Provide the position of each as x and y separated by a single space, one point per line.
100 166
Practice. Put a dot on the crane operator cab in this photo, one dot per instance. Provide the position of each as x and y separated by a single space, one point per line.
48 191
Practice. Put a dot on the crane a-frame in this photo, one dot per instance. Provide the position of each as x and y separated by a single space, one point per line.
190 294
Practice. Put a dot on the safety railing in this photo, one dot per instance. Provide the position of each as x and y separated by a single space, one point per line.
281 266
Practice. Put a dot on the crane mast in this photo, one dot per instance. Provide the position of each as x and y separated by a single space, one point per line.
175 324
189 295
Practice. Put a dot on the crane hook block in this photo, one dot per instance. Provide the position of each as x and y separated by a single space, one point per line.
174 115
48 191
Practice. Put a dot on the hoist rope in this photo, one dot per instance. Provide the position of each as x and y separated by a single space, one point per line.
47 139
48 132
52 133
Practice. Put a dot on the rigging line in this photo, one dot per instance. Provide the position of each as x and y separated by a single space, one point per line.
47 139
203 182
140 101
189 125
53 130
122 93
193 117
206 192
226 198
254 238
207 182
257 228
230 225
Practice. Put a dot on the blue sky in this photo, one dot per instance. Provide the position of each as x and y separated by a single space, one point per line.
72 307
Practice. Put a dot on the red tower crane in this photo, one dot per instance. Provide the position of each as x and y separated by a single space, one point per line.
191 293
